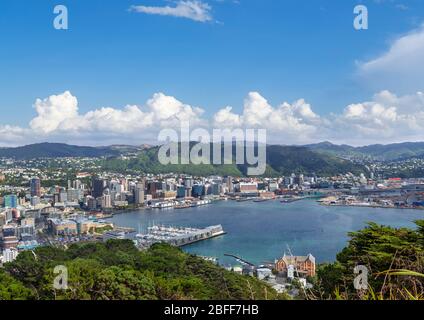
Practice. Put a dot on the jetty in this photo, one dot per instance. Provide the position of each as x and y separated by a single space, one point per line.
178 237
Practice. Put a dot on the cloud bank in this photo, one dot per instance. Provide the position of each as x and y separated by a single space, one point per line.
385 118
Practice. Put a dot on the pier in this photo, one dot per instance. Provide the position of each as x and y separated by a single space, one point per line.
241 260
178 237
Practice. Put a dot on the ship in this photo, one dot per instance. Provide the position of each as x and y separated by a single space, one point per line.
262 199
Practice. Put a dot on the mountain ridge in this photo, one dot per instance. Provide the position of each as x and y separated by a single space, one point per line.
382 152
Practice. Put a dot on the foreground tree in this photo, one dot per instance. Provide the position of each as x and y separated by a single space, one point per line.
383 250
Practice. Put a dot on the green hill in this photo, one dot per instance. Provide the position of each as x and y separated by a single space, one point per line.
378 151
281 160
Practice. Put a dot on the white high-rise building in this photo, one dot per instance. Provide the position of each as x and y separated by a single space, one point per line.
106 201
139 193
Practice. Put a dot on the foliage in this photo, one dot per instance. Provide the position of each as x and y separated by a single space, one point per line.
117 270
12 289
394 258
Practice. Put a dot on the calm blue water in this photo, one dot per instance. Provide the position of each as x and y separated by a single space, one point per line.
260 232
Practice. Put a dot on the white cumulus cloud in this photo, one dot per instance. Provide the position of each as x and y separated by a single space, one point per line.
58 117
293 123
385 118
400 68
53 110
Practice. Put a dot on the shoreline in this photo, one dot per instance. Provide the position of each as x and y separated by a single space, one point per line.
371 207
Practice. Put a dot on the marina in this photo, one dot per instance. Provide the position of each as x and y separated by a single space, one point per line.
179 204
177 236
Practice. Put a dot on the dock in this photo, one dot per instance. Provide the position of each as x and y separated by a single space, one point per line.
178 237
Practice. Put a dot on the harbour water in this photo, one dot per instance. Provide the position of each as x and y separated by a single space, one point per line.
260 232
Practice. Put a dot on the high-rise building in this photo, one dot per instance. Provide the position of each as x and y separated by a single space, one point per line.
74 195
181 192
10 201
35 186
106 201
198 190
139 193
98 186
154 188
92 203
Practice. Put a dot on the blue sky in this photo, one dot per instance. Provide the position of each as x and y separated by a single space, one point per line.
285 50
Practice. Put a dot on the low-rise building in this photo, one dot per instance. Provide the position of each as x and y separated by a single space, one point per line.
9 255
302 265
62 227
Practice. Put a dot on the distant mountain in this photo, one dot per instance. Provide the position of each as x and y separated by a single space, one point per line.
320 158
281 160
330 147
378 152
123 148
286 160
56 150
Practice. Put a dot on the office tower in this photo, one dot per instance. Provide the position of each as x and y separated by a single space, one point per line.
139 193
106 201
181 192
35 186
198 190
92 203
98 186
10 201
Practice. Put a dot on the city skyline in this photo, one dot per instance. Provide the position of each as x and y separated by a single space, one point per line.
125 69
211 150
